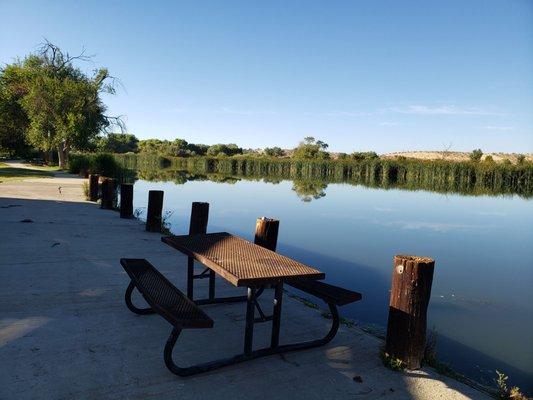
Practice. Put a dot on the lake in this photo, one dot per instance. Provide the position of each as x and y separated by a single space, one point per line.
482 303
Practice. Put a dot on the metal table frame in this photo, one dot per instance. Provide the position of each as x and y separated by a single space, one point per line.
253 293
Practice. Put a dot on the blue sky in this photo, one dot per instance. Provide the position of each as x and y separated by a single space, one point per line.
360 75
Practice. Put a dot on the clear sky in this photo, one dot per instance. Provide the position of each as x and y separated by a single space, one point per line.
360 75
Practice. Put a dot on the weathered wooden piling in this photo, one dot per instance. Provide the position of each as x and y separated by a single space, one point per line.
126 200
154 218
266 233
412 277
93 187
199 217
104 192
198 225
109 193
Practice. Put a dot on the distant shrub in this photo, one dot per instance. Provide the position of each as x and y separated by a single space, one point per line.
488 159
274 151
363 155
99 163
476 155
520 159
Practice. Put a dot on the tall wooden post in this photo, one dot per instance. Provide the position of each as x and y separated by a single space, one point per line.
126 200
109 193
412 277
155 210
266 233
199 217
93 187
198 225
104 193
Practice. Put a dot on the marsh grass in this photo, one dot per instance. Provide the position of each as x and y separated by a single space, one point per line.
312 176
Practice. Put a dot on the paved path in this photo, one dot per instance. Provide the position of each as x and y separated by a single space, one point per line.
65 332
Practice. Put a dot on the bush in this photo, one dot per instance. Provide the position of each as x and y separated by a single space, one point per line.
364 155
100 163
520 159
476 155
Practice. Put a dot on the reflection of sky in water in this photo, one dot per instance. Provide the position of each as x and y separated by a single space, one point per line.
482 245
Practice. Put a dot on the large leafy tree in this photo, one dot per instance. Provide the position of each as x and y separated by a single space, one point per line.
62 105
14 121
119 143
311 148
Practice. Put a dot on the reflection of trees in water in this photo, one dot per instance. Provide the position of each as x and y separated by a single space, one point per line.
308 190
180 177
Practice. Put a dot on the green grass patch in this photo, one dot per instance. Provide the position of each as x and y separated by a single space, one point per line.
10 174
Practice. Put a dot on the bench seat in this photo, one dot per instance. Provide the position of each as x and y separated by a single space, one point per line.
163 297
329 293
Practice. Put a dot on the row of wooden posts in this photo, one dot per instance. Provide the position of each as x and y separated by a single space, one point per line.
412 276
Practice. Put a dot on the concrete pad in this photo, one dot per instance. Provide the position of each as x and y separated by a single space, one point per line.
66 333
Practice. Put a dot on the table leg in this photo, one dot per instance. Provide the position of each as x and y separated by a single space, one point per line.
190 278
276 317
249 329
211 285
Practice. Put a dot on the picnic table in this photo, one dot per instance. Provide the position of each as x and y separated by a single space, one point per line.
242 263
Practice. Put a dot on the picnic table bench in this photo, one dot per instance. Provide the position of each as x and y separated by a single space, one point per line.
243 264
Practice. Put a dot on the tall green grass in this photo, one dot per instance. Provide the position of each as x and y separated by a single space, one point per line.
472 178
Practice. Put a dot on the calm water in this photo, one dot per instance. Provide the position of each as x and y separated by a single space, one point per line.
481 304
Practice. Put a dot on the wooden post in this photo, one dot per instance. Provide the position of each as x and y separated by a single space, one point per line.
126 200
104 193
412 277
93 187
266 233
199 217
155 210
198 225
109 193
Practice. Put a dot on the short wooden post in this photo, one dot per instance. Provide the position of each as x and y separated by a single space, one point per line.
93 187
155 209
266 233
104 193
126 200
412 277
109 193
199 217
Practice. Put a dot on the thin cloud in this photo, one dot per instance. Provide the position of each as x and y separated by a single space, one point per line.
499 128
233 111
174 110
442 110
346 114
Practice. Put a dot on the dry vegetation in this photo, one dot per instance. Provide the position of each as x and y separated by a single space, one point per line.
455 156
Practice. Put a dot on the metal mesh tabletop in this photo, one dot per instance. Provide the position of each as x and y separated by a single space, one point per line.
239 261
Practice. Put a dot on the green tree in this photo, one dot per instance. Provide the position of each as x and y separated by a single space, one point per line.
14 121
310 148
224 150
363 155
476 155
119 143
61 103
274 151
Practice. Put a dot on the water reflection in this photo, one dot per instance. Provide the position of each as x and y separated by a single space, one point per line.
482 303
308 190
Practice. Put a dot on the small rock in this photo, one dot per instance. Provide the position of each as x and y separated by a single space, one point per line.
27 220
358 379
